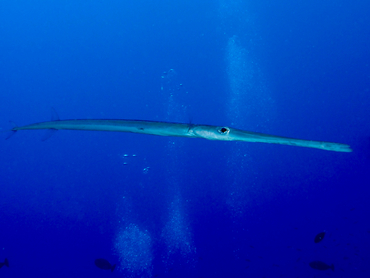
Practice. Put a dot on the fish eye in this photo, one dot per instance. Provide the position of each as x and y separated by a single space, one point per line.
224 130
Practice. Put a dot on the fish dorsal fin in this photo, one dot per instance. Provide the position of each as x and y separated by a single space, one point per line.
54 115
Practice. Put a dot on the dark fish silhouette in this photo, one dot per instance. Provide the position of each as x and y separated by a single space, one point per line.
104 264
321 266
319 237
6 262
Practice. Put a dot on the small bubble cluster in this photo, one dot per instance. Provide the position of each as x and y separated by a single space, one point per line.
134 248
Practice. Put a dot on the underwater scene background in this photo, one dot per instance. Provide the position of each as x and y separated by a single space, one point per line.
178 207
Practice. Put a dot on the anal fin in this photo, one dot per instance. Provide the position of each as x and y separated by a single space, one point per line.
48 134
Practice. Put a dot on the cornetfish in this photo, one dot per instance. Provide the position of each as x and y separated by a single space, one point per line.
210 132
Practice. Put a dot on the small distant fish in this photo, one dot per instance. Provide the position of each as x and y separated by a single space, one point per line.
321 265
6 262
104 264
319 237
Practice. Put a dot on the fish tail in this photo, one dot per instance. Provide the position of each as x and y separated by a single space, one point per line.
332 267
6 262
113 267
12 131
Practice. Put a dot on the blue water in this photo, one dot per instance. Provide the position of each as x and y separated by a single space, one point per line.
178 207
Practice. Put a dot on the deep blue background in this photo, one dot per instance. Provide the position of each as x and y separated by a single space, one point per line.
195 208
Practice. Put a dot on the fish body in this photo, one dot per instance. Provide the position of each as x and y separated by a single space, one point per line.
319 237
104 264
321 265
220 133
